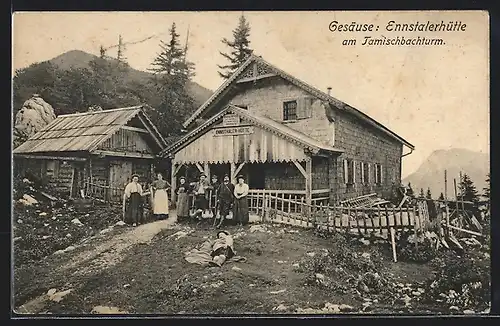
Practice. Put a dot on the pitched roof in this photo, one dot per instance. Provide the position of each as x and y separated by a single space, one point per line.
264 122
84 131
321 95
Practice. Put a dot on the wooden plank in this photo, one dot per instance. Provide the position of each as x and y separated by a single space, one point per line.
393 243
123 154
46 157
141 130
300 168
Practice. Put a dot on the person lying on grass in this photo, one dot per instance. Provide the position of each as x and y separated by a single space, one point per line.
222 248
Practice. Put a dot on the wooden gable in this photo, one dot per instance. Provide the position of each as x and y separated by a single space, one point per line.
237 143
255 71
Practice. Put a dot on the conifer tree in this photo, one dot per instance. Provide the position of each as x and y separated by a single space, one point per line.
441 196
410 191
486 190
239 48
421 195
467 190
428 194
172 72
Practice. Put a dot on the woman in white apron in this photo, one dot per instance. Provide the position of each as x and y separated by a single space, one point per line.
160 197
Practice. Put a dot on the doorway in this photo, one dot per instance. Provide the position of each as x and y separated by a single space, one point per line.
256 176
220 170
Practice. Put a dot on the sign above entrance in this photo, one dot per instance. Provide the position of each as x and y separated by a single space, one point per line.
233 131
230 120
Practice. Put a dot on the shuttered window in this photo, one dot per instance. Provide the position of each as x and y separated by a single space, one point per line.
290 110
378 173
349 171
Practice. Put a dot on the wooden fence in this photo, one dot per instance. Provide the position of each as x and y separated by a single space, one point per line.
363 221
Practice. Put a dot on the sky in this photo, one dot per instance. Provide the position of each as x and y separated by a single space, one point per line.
435 97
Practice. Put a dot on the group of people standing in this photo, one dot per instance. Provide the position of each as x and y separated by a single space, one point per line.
230 201
133 209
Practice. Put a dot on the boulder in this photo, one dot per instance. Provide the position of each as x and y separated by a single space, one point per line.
33 116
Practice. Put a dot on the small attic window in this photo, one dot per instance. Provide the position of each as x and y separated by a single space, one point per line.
289 110
244 107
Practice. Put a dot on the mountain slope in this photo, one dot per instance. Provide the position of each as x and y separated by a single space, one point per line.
81 59
431 173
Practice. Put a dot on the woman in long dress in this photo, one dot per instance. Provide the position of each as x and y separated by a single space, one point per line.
241 214
182 199
132 202
160 197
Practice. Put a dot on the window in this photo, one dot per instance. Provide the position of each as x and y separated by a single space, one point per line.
349 172
290 110
332 129
365 174
244 107
378 173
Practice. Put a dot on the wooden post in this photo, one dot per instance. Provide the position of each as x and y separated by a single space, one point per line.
232 172
446 203
309 185
393 243
206 168
173 181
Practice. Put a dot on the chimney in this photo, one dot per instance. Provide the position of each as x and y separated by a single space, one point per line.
328 90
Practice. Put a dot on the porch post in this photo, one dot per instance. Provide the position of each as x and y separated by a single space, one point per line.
206 167
233 170
309 181
173 180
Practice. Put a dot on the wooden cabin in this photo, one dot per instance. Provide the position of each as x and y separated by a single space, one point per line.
93 151
286 135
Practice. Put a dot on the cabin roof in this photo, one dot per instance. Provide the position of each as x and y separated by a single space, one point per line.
261 121
85 131
299 83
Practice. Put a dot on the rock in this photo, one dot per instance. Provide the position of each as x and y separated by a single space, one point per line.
58 296
258 228
235 268
468 312
107 310
346 307
311 254
54 218
19 221
28 200
364 241
277 292
251 285
105 231
45 224
42 214
70 248
58 252
217 284
320 276
126 285
295 265
281 307
31 118
281 262
77 222
454 308
120 223
365 255
416 293
332 308
421 290
68 235
51 292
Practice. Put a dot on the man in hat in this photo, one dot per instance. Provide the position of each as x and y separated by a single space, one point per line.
200 189
222 248
225 199
214 186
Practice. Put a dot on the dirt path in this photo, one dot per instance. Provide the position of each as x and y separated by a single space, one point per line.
94 259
